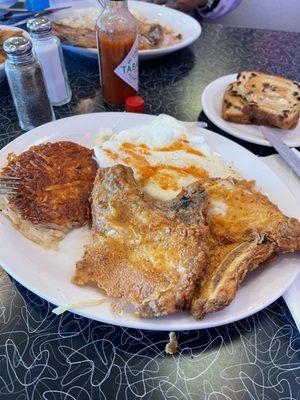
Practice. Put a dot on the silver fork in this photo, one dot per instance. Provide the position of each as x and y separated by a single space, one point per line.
9 185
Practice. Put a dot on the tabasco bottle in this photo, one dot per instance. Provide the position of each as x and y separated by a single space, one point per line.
118 52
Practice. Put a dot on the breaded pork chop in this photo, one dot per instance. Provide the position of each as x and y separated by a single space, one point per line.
150 253
56 181
247 229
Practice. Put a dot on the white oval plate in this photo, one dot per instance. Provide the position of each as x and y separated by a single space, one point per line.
212 98
10 28
182 23
48 273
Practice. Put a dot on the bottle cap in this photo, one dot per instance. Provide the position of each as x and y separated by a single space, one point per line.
134 104
17 46
39 26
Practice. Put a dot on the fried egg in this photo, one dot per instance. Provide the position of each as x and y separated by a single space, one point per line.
165 155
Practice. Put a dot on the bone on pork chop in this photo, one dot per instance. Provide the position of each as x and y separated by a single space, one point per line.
247 229
150 253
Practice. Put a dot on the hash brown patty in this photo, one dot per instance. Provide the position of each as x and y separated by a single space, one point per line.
56 180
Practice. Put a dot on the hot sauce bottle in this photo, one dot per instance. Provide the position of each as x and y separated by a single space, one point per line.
118 52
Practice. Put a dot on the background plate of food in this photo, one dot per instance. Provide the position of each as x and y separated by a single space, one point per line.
222 105
5 33
162 29
138 246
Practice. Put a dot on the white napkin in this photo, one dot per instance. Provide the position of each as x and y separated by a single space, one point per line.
292 295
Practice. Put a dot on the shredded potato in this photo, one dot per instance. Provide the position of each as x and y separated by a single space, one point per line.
87 303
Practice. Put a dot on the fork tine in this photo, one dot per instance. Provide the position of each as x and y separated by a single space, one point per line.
8 182
9 178
8 192
8 188
9 185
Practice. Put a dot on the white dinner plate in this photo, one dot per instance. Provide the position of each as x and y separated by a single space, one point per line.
48 273
10 28
179 22
212 106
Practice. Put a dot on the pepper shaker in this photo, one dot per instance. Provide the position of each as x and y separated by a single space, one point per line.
27 84
47 49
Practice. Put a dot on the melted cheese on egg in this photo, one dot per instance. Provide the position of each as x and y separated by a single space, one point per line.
165 155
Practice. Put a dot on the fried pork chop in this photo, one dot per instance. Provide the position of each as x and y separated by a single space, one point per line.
56 181
150 253
247 229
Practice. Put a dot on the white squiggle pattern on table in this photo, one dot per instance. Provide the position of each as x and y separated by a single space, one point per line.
257 358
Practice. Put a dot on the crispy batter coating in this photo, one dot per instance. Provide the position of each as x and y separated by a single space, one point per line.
56 181
148 252
247 229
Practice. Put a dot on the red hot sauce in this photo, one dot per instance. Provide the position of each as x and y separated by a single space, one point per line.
118 52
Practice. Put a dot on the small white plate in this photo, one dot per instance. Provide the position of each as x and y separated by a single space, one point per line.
212 98
179 22
49 273
9 28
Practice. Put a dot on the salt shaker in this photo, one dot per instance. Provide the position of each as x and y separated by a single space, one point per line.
47 49
27 84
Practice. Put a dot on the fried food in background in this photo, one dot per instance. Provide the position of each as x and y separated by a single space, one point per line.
79 30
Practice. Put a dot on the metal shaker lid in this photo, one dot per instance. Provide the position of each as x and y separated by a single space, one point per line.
39 26
17 46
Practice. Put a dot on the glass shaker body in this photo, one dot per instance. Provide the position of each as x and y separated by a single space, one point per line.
118 52
29 93
48 51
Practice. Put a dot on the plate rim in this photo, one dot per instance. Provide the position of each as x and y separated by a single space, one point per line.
176 46
146 324
145 54
150 325
259 141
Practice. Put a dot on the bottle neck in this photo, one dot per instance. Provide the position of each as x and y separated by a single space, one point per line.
116 5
